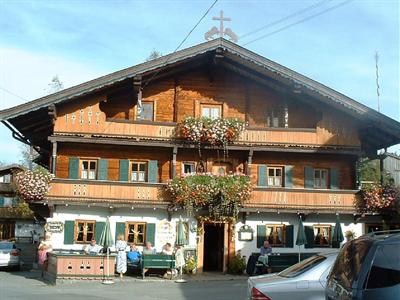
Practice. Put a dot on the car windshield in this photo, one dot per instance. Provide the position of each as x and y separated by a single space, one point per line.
6 246
349 261
302 266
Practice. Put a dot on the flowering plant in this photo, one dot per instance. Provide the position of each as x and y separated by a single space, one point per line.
377 199
222 195
33 185
217 132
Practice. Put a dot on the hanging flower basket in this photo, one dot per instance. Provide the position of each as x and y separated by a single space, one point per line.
217 132
221 195
33 185
378 199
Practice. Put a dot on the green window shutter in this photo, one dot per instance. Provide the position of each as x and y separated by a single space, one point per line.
289 176
14 202
308 178
99 227
152 171
1 201
73 171
123 170
261 235
334 244
151 233
69 232
119 229
309 230
334 178
262 176
102 173
289 236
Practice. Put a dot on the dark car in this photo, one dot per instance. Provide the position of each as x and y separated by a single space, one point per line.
367 268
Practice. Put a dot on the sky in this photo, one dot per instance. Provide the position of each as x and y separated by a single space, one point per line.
331 41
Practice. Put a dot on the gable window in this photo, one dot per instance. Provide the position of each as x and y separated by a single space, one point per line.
274 118
135 233
138 171
275 234
322 235
88 169
211 111
84 231
147 112
321 178
274 176
188 168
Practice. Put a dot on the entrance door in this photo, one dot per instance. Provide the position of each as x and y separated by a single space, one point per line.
213 247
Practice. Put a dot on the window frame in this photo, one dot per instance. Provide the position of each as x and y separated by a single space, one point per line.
210 106
88 160
138 162
135 235
320 178
187 163
76 231
282 175
273 241
329 240
154 111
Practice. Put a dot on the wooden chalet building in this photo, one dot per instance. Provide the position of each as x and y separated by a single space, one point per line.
301 148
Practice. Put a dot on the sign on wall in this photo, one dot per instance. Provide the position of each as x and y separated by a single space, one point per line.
245 233
165 233
54 227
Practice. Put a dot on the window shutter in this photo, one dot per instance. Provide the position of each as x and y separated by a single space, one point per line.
99 227
69 232
123 170
289 176
102 173
119 229
73 170
262 175
261 235
308 178
334 244
1 201
152 171
289 236
14 202
334 178
309 230
151 233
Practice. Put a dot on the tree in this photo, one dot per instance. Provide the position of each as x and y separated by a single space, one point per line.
55 85
153 55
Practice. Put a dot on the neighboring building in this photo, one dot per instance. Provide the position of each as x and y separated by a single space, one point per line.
391 165
301 148
14 224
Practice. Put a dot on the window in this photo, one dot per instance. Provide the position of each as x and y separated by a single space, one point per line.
138 171
135 233
385 270
84 231
5 178
147 113
275 234
302 266
322 235
89 169
274 176
189 168
211 111
321 178
274 119
373 227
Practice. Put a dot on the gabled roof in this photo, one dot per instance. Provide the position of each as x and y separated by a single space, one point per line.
261 66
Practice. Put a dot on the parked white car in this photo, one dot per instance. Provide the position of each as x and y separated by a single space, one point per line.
304 280
9 255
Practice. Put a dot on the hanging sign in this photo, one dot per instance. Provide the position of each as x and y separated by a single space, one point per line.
245 233
165 233
54 227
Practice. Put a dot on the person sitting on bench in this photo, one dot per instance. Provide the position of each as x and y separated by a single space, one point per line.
134 254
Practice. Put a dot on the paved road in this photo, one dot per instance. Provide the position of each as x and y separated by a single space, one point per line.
26 286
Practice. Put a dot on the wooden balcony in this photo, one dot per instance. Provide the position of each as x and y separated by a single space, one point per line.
150 194
109 192
303 200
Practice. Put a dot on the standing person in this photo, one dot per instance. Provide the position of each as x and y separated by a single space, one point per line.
120 247
44 248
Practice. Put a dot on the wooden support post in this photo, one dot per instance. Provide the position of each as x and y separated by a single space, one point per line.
249 162
54 158
173 166
176 93
137 88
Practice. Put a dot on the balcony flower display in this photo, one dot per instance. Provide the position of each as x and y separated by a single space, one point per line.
33 185
221 195
217 132
378 199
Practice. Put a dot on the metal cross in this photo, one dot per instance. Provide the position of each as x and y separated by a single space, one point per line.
221 20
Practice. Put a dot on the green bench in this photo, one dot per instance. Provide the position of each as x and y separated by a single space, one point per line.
157 261
277 263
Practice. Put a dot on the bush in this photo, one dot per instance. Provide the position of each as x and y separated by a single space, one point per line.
191 265
237 265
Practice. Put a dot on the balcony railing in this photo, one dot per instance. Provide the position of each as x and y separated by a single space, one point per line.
86 191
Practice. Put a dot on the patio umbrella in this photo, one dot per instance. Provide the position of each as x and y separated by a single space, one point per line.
179 255
337 236
301 235
106 240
